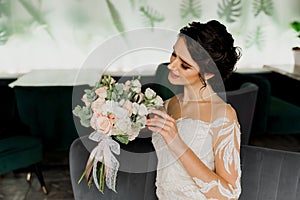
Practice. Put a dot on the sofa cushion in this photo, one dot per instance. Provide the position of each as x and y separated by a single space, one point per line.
269 174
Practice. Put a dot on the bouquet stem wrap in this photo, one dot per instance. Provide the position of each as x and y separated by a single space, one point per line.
103 153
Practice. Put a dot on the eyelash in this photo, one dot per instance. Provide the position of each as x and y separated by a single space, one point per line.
182 65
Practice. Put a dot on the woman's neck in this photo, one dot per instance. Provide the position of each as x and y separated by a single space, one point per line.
198 93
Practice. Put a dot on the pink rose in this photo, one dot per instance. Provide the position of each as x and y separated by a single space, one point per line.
97 105
101 123
102 92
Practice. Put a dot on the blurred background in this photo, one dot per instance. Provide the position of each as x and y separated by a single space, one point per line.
41 34
44 43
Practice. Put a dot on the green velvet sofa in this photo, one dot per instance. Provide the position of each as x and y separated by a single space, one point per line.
18 149
273 115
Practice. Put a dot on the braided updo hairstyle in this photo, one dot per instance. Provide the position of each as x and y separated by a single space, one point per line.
211 47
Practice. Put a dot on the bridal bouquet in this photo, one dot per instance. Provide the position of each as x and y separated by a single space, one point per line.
117 112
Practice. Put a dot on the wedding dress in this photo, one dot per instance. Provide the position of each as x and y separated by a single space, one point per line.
173 182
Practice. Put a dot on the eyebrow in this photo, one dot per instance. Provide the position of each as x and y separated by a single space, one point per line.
182 59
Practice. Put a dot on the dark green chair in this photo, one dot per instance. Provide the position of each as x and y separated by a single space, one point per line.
47 111
18 150
272 115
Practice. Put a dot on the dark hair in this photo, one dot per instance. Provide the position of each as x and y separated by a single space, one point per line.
216 47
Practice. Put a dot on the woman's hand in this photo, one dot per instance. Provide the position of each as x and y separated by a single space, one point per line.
165 125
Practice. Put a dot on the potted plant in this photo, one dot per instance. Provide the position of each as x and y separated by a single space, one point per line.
296 26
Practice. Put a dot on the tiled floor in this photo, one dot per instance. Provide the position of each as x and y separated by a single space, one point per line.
13 186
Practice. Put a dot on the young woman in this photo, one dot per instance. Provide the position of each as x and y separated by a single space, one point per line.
197 137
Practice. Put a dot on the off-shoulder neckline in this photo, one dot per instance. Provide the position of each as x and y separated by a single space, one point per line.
199 120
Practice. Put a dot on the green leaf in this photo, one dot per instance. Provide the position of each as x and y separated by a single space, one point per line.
85 171
296 26
255 39
88 91
36 15
113 96
119 88
77 16
190 7
151 16
102 176
132 2
122 138
85 122
5 8
4 33
230 10
77 110
265 6
84 114
5 21
90 181
115 16
90 95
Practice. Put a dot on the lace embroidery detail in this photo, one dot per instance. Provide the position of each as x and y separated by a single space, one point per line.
228 148
230 155
168 185
205 187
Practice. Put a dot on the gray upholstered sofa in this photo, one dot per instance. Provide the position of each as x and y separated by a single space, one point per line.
266 173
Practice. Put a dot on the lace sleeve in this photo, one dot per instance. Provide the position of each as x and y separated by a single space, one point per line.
227 160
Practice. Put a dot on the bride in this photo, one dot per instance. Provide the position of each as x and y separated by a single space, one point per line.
197 137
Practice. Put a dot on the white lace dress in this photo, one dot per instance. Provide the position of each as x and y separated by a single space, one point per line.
173 182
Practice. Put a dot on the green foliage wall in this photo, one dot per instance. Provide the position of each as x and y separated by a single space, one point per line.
38 34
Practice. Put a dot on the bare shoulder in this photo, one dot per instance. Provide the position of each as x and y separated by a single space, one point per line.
227 111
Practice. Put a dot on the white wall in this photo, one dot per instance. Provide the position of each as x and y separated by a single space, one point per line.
61 34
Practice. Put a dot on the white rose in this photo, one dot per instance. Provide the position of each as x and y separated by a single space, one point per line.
135 108
142 110
114 108
133 135
136 86
149 93
120 112
112 81
108 107
138 98
142 121
124 125
158 101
